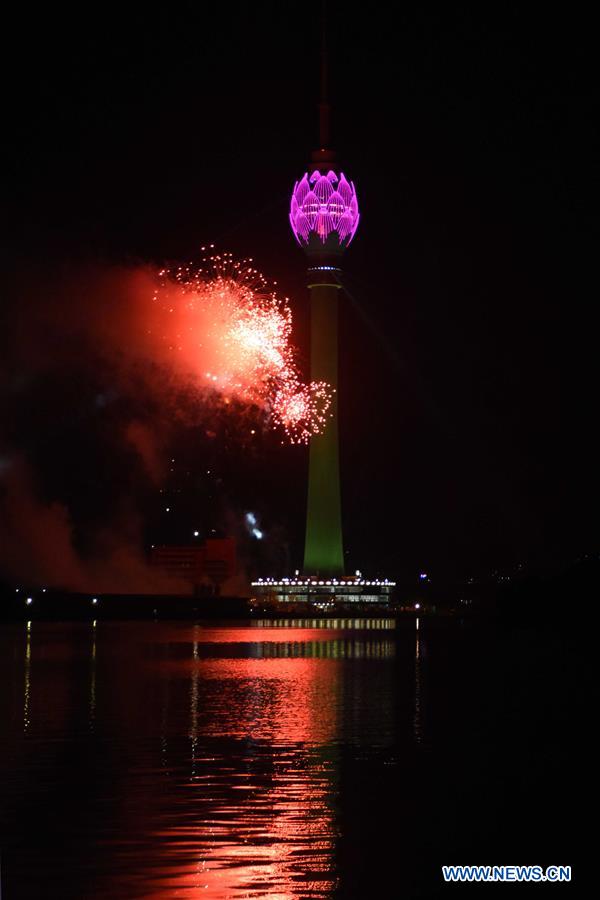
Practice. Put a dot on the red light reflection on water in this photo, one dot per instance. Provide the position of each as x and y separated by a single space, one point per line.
277 839
212 751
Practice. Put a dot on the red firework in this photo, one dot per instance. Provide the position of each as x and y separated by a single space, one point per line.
234 334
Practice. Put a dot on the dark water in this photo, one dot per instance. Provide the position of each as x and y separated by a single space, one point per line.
173 760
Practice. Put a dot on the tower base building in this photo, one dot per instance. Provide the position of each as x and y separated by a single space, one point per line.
325 594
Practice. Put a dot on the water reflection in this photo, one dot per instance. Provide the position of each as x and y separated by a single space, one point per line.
417 724
262 827
169 760
27 684
92 715
194 760
296 646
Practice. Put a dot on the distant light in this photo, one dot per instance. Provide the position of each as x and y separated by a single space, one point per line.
250 518
417 606
257 534
94 600
29 601
43 590
168 509
423 576
196 533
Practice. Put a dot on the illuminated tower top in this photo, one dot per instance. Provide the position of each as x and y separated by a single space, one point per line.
324 209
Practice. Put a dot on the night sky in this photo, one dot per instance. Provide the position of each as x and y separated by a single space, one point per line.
468 363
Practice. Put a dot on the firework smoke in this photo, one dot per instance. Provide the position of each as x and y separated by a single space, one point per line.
105 370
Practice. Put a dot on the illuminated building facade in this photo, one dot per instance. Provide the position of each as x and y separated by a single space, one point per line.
326 593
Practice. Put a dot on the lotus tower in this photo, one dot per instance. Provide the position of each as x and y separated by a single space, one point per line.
324 217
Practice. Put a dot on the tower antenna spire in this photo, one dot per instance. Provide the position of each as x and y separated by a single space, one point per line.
324 106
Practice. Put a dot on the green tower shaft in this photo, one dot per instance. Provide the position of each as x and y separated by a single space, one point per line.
323 549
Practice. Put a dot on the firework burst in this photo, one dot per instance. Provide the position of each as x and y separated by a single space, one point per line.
234 334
